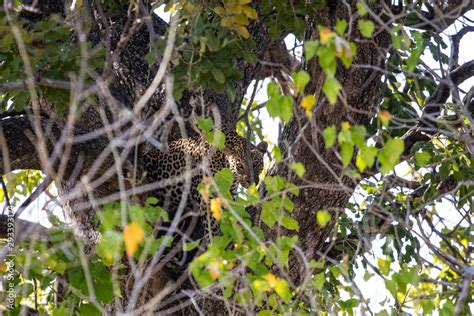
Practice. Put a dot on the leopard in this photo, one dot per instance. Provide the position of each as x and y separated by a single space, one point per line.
201 159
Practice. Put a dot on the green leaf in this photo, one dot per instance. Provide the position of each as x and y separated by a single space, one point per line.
88 309
347 151
188 246
288 204
301 79
323 217
151 201
289 223
422 158
366 157
273 90
384 266
218 139
329 136
280 107
291 187
274 184
389 156
298 168
110 245
361 9
416 51
391 286
319 280
62 311
349 304
366 27
310 49
341 26
206 124
137 215
286 111
447 310
331 88
347 58
269 214
218 75
150 57
224 179
358 135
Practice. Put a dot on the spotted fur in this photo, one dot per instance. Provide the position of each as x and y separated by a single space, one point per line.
204 160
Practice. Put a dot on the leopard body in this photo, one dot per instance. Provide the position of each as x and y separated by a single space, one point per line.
195 158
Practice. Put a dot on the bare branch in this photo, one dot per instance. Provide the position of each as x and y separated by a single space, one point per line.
440 19
18 138
45 82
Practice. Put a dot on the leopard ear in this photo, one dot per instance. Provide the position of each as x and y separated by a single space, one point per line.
262 147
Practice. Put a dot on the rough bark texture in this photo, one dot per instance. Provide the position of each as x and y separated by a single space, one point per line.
327 188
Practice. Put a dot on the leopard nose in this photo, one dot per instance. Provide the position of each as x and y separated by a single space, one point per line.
245 181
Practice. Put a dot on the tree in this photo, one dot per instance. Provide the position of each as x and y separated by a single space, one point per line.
87 85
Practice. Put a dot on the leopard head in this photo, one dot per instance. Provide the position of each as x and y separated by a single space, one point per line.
239 163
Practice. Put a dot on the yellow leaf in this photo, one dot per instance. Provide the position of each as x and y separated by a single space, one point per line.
214 270
307 103
241 19
219 10
271 279
206 180
325 35
202 43
385 117
133 234
234 9
205 193
171 7
242 31
343 49
226 22
189 7
250 12
3 267
216 208
242 2
345 126
323 217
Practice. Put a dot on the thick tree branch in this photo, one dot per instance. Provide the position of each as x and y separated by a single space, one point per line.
439 19
23 230
442 92
433 102
45 82
19 147
455 40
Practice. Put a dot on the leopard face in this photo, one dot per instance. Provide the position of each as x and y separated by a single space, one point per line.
241 167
